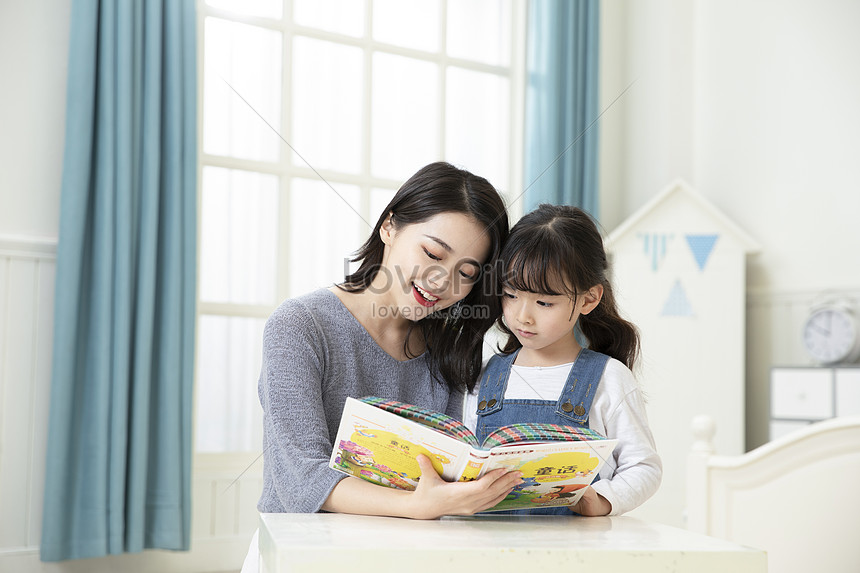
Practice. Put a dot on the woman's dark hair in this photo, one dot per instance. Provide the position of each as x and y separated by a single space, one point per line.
453 338
557 249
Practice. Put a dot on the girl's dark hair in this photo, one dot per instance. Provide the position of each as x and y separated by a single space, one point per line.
453 339
557 249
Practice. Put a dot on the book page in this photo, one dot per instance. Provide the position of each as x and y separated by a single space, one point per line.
538 432
430 418
381 447
554 474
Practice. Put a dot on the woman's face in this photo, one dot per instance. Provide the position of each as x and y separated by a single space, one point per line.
431 265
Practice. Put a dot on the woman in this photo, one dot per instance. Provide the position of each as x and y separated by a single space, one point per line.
407 325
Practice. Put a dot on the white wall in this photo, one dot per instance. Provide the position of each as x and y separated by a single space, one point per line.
777 133
34 39
33 52
646 135
754 103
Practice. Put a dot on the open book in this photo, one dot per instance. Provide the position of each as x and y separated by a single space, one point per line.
379 441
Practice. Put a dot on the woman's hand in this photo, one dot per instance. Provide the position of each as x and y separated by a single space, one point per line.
592 504
435 497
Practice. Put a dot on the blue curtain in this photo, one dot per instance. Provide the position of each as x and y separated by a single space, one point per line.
561 136
119 441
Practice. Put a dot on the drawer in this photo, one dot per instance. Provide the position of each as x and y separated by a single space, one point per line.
801 393
847 391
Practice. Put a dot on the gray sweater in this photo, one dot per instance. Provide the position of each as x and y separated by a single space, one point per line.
315 354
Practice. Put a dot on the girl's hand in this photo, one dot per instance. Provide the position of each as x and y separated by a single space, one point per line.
592 504
435 497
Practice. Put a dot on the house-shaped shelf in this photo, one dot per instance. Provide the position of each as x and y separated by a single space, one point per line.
679 273
679 235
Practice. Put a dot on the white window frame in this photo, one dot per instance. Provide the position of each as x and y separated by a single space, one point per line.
286 170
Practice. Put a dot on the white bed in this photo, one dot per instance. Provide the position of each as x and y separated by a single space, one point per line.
797 497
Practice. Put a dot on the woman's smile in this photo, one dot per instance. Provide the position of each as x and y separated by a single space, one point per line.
423 297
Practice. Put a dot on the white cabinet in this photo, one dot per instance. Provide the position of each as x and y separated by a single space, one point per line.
801 395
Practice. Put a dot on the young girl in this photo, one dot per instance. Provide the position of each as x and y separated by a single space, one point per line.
555 284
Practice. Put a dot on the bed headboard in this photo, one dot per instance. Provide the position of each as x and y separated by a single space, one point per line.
797 497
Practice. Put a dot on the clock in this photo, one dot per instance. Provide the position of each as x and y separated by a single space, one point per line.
831 334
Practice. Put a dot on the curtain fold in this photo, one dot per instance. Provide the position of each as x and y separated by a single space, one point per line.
118 469
561 131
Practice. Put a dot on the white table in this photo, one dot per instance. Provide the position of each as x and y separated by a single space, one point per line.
299 542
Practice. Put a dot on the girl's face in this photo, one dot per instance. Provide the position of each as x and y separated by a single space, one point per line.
431 265
544 323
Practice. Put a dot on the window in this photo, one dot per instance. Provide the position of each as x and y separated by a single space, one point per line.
313 113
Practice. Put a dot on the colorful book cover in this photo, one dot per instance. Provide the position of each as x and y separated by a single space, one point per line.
379 441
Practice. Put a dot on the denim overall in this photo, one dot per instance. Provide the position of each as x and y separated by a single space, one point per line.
571 408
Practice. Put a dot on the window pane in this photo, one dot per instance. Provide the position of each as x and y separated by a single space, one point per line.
379 199
263 8
340 16
480 30
238 236
408 23
325 229
477 124
228 415
327 105
248 58
405 115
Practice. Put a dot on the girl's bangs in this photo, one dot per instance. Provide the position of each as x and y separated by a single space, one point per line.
538 271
